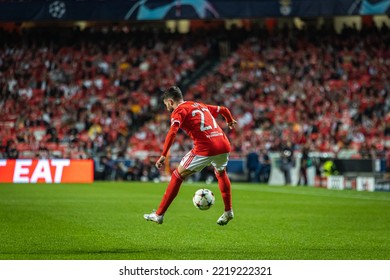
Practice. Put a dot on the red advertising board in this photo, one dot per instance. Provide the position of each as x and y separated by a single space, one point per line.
46 171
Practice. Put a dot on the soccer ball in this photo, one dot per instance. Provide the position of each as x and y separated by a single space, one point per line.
203 199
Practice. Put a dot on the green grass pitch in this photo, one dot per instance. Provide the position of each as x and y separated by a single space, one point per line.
104 220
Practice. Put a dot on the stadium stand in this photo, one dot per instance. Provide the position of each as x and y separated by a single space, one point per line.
95 93
79 93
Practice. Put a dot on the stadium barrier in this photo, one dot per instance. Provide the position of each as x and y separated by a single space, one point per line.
46 171
358 183
351 174
365 184
336 183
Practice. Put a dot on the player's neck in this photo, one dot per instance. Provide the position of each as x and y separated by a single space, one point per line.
178 103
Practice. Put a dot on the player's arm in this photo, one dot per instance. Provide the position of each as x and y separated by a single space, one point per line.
168 143
225 112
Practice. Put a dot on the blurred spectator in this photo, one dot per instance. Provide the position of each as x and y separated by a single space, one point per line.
264 166
11 151
135 170
329 168
252 166
287 160
367 151
109 168
303 166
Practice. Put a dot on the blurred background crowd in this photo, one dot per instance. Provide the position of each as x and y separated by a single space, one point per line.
95 93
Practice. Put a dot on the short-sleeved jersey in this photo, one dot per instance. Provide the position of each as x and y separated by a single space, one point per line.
198 121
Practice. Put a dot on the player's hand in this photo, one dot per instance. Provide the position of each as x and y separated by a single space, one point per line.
232 124
160 162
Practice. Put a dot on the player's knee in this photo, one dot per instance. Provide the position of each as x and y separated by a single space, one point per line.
184 173
219 173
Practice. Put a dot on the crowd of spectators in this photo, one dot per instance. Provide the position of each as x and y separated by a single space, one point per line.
78 94
95 93
329 92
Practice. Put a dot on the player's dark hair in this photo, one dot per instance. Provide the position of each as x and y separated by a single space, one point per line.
174 93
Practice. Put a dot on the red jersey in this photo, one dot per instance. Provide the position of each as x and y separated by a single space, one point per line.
198 121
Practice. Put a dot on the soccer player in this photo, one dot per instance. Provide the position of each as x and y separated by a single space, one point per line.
211 147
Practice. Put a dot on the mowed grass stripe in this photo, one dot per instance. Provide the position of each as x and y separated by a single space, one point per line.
104 221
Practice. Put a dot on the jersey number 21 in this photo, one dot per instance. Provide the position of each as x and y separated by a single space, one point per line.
202 118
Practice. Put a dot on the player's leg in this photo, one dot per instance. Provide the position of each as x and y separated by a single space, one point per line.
225 188
169 195
220 162
177 178
170 192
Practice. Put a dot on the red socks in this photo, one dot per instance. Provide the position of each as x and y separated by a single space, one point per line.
174 187
225 188
170 193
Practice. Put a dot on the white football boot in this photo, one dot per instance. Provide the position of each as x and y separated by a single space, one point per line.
225 218
154 217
